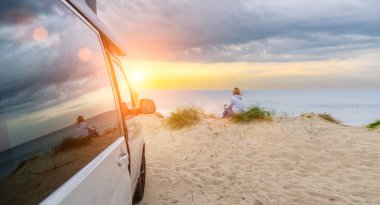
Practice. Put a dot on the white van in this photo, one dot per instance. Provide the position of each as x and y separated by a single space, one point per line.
69 124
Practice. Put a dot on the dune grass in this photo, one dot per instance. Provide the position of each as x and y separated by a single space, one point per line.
184 117
252 114
71 143
159 115
329 118
308 115
374 125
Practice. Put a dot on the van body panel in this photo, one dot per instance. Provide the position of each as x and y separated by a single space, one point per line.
136 144
112 188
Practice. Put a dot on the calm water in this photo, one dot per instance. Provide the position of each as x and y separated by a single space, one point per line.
352 107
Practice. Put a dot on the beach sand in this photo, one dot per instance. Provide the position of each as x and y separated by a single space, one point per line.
301 160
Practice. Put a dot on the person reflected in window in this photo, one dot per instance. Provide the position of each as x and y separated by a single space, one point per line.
236 104
84 130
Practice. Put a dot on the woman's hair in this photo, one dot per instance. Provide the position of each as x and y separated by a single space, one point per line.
236 91
80 119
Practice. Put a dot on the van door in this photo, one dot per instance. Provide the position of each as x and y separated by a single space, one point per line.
132 122
105 180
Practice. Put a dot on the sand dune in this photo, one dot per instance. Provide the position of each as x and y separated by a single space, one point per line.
288 161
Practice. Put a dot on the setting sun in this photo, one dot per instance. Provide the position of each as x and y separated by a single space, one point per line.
137 76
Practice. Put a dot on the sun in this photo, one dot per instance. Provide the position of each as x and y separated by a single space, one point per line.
137 76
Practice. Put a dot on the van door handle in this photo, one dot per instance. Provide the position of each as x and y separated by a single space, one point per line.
131 130
123 158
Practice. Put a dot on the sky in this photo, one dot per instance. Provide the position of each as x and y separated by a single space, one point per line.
253 44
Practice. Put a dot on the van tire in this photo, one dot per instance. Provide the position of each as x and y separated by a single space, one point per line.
139 194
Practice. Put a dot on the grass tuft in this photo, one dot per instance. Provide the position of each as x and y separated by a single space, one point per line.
374 125
308 115
329 118
211 115
253 114
159 115
71 143
183 117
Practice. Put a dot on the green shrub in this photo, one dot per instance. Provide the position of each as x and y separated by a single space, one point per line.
374 125
252 114
329 118
184 117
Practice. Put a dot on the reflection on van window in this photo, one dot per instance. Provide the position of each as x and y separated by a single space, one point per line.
57 109
124 91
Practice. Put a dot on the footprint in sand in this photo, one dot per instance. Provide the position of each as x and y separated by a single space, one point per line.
217 173
293 186
258 202
337 153
192 165
231 178
325 175
177 168
196 174
324 196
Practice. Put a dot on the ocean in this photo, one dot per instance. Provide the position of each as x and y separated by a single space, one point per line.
351 107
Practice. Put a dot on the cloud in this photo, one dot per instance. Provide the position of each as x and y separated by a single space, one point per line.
39 74
250 31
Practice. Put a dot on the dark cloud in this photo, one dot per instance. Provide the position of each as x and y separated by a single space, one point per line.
24 12
214 31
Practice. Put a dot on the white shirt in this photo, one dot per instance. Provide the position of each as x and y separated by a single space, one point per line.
236 101
82 129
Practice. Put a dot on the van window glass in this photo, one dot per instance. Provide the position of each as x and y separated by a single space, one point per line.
124 89
57 107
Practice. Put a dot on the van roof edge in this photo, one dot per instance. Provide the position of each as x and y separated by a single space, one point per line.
111 40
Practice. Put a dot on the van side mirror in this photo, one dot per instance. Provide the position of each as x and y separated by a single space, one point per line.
124 109
147 106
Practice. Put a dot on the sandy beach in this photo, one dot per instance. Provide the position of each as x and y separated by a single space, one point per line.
300 160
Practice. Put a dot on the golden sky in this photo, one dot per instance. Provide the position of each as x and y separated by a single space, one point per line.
290 44
275 75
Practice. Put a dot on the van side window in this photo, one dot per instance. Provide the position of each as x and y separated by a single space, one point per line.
57 107
124 90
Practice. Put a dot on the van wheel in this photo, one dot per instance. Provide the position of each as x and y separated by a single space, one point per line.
139 194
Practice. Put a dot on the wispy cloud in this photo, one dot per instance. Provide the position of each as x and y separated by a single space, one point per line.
251 31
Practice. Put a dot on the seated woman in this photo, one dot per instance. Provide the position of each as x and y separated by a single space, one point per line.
83 130
236 104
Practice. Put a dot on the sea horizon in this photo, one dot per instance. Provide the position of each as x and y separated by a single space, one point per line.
354 107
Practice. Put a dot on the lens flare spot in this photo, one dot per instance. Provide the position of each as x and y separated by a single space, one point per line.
40 34
85 54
